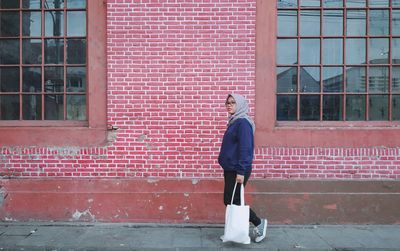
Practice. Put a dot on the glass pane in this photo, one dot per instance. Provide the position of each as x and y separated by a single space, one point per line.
355 51
333 3
396 22
54 79
333 45
9 51
378 79
54 51
310 3
287 23
355 79
54 23
378 51
378 22
76 4
310 22
309 107
286 108
309 51
378 107
286 51
355 107
333 79
9 107
355 3
309 79
9 79
333 23
31 4
396 107
356 23
332 108
76 51
32 79
53 107
32 107
9 4
287 3
396 3
54 4
9 24
32 51
32 24
286 79
396 50
76 79
378 3
76 23
396 79
76 107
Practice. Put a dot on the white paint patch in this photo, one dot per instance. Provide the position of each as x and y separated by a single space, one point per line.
77 215
195 181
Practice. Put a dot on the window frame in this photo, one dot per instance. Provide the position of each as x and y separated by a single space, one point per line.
73 133
271 132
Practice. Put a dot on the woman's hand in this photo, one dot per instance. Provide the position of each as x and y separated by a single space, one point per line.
239 178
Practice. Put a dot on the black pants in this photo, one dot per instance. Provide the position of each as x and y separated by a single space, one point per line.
230 180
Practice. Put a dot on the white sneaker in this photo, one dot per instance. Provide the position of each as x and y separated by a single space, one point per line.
260 231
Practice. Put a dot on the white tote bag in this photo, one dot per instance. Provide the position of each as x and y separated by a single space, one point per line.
237 220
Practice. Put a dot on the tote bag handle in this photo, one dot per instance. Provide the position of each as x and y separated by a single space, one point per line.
241 194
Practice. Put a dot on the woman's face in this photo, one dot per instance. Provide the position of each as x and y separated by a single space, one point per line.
230 105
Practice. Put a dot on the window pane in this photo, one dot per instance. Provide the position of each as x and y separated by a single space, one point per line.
378 107
396 79
31 4
76 51
54 79
53 4
378 3
309 107
356 23
396 22
9 79
76 79
54 51
310 23
53 107
287 23
378 22
31 23
396 3
378 79
76 23
9 24
355 3
54 24
355 51
355 79
287 3
9 51
32 51
310 3
333 106
333 23
333 79
287 79
286 107
355 107
9 107
32 107
309 51
76 107
9 4
396 107
396 50
309 79
32 79
76 4
286 51
333 3
333 45
378 51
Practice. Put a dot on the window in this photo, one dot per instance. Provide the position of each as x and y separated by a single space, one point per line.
46 48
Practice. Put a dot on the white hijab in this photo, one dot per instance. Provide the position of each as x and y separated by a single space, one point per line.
242 110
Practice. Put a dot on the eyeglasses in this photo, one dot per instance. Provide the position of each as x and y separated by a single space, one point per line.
230 103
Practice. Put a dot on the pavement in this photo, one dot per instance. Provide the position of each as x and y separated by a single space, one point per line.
71 236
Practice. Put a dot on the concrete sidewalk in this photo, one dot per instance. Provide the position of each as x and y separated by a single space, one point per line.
46 236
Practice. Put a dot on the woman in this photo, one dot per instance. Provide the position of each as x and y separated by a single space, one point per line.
236 156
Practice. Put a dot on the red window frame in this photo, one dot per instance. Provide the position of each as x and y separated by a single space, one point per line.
270 132
73 133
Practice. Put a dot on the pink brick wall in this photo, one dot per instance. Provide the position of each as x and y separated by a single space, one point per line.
171 64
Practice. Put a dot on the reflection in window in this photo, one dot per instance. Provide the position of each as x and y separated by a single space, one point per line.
378 51
356 79
309 51
287 79
286 51
287 23
333 107
378 107
309 23
333 79
356 23
286 109
333 45
309 79
355 51
355 107
309 107
378 22
333 23
378 79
